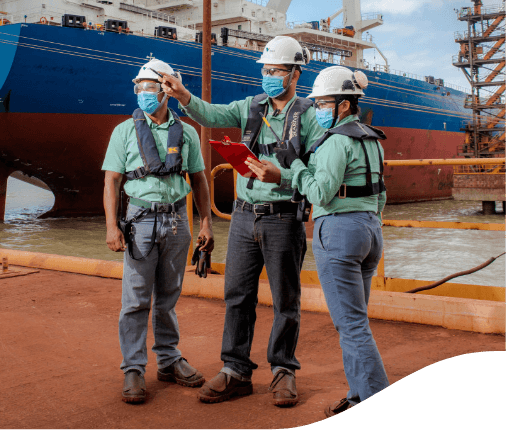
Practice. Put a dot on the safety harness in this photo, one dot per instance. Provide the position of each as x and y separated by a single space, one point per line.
291 129
149 152
361 132
153 165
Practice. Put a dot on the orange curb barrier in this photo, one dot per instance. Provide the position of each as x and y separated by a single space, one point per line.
60 263
483 316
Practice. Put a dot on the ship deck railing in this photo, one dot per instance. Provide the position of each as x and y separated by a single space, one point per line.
34 15
385 69
489 10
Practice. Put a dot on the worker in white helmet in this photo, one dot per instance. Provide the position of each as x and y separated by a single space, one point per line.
265 230
153 150
344 180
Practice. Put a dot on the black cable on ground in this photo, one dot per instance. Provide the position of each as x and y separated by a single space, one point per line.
455 275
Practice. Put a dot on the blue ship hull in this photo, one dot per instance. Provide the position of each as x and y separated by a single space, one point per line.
63 90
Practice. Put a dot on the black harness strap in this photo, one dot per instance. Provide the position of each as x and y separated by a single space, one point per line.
291 128
149 152
359 132
254 121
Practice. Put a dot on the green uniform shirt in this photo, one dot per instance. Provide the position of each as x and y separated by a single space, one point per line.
123 156
340 159
235 114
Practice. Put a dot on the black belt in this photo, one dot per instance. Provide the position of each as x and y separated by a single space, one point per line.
268 208
159 207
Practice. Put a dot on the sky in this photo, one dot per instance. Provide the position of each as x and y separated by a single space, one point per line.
417 36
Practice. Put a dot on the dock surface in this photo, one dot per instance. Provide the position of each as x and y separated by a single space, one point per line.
60 357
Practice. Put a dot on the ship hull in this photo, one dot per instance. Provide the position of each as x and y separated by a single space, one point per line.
66 152
62 92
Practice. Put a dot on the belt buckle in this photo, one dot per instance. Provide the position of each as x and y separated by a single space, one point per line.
164 207
339 194
263 205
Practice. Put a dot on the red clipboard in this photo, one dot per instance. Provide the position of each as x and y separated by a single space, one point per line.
236 154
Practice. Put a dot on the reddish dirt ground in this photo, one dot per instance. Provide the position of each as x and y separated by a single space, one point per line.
60 357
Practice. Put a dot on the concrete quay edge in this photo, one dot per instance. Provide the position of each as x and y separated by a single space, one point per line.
483 316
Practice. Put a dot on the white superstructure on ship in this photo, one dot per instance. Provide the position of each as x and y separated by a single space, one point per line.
250 23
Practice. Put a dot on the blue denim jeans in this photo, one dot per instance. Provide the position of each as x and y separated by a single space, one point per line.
160 275
277 241
347 249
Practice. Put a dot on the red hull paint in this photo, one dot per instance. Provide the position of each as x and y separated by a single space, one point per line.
73 146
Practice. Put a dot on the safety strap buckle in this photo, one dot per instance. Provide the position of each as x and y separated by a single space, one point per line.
343 194
138 173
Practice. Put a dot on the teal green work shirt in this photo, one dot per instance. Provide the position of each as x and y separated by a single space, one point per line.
235 114
123 156
340 159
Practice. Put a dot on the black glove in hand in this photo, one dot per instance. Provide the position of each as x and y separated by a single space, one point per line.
286 154
202 260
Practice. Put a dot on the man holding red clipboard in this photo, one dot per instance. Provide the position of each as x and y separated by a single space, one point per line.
264 228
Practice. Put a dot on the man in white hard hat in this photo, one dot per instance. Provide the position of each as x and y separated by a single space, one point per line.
153 150
264 228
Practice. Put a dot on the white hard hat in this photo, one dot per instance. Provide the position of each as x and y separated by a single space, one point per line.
338 80
284 50
159 66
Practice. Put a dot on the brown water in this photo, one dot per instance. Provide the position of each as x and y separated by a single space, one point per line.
410 253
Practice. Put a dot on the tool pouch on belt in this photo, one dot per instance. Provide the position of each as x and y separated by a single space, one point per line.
304 208
126 228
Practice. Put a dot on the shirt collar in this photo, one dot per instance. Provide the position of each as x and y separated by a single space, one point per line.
268 100
165 125
348 119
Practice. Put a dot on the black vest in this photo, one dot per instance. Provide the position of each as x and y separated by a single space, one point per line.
361 132
149 152
291 129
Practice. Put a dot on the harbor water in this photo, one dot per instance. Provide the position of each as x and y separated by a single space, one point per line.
410 253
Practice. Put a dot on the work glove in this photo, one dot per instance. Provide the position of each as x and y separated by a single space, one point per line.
202 260
285 153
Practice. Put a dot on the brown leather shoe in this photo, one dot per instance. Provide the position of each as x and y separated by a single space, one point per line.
337 407
222 387
134 387
284 389
181 373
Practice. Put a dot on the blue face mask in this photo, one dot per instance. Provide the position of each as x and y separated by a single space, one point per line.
324 117
273 85
147 101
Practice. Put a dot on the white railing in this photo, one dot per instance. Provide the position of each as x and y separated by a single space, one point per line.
474 100
367 37
384 69
372 15
259 2
458 88
149 3
35 14
305 24
465 11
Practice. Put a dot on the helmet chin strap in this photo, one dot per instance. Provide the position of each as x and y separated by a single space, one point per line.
288 85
